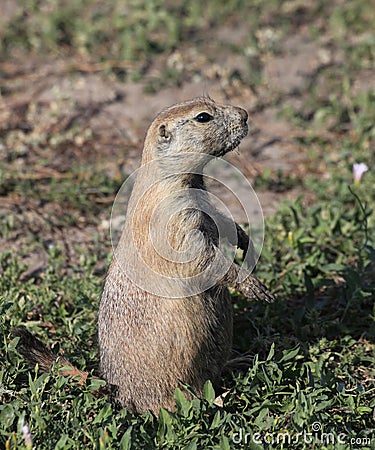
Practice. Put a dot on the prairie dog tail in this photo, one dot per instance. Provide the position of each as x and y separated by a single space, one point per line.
35 352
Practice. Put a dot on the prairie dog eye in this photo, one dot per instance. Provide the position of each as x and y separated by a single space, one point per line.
203 117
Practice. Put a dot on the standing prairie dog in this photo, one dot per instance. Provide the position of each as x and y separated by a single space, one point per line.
165 314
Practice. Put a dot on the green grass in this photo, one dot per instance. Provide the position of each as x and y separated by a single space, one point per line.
124 31
312 352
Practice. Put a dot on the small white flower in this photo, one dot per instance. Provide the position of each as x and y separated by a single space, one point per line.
358 170
27 436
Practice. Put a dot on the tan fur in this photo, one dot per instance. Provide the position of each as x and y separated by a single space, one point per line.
150 343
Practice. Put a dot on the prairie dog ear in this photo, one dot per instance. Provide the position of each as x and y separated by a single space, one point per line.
164 134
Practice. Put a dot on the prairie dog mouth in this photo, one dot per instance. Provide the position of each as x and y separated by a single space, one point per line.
234 144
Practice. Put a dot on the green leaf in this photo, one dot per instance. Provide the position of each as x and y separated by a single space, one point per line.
103 413
165 430
61 444
126 440
291 354
182 403
208 391
259 421
333 268
224 443
96 384
216 421
271 352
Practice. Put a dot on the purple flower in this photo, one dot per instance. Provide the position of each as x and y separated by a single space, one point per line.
358 170
27 436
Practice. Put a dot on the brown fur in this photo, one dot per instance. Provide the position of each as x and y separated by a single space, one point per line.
36 352
150 343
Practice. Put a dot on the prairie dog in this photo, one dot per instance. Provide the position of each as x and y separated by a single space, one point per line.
165 313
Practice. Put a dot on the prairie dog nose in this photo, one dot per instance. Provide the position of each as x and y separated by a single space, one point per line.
243 114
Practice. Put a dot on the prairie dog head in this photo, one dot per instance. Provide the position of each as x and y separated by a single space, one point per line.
197 127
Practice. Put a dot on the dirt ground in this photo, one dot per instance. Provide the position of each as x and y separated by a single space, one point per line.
60 113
